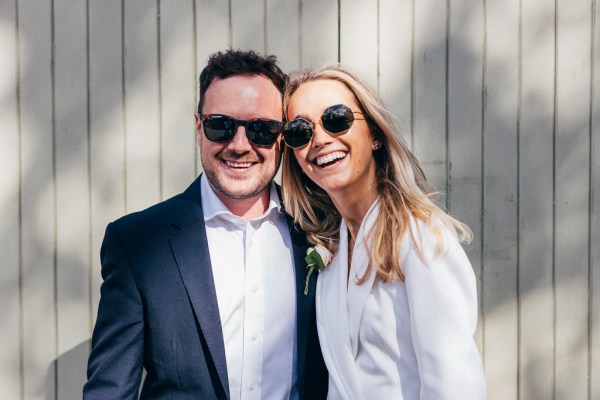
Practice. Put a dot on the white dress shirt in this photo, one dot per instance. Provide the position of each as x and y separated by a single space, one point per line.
253 270
400 340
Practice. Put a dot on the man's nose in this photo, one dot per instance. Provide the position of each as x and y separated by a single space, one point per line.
240 142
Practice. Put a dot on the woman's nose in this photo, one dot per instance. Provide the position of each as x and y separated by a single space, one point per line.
320 136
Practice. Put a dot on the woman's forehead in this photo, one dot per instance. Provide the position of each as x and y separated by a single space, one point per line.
316 96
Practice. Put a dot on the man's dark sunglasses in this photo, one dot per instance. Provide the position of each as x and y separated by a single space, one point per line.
221 129
335 119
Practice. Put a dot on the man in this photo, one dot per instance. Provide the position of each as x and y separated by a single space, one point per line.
205 290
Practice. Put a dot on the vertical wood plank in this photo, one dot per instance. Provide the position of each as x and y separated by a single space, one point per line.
107 127
595 209
10 233
38 206
500 199
536 323
142 129
72 193
319 35
429 141
177 89
572 166
212 30
465 78
248 25
395 61
283 33
358 37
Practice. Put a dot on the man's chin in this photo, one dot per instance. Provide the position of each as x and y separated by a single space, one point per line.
240 189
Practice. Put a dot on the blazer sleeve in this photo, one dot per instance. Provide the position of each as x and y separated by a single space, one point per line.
116 360
442 298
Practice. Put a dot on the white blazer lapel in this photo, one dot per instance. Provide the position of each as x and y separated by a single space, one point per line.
358 294
332 318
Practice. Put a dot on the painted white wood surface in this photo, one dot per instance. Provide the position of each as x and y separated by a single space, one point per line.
429 94
177 96
499 229
319 32
536 133
358 37
142 107
595 210
395 61
499 100
38 200
106 129
248 24
72 184
10 207
571 250
465 125
282 33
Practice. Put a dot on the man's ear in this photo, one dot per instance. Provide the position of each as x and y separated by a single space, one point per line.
198 127
198 121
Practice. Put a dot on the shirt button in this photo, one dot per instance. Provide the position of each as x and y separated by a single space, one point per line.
254 337
251 386
255 289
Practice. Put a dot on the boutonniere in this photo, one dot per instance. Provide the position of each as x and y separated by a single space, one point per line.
316 257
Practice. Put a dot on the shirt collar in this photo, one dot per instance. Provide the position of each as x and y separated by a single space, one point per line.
213 207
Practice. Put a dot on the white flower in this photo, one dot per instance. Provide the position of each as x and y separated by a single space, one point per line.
325 254
318 258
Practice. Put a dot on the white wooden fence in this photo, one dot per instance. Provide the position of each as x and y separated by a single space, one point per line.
498 99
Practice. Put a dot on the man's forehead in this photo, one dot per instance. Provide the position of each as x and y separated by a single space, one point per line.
241 92
243 80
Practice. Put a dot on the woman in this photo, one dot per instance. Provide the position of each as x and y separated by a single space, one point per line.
397 305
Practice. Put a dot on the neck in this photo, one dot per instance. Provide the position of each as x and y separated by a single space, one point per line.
249 208
353 207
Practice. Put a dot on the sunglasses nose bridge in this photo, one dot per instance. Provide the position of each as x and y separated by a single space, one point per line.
240 138
319 123
320 135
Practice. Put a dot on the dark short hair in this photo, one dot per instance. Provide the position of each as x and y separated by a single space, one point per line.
224 64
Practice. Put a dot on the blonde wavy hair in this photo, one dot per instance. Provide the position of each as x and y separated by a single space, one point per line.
401 184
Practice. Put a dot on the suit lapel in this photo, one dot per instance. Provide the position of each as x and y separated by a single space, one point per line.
332 311
304 303
190 250
358 294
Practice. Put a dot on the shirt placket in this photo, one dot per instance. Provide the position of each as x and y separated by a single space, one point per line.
253 316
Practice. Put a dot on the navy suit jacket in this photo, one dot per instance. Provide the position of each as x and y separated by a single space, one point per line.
158 308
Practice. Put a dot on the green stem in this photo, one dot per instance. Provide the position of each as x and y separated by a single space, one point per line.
310 271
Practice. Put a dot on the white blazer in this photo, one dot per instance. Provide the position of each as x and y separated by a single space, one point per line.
400 340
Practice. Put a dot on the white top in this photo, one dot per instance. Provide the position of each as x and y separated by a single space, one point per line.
253 270
401 340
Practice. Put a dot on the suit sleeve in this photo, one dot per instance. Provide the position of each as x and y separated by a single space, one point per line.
116 360
442 298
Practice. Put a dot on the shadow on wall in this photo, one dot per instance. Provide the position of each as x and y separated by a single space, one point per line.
69 383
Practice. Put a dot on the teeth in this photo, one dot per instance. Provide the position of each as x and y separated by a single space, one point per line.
330 157
238 165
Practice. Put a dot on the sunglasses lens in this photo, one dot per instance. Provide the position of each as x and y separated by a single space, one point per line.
218 128
263 132
297 133
337 119
221 128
